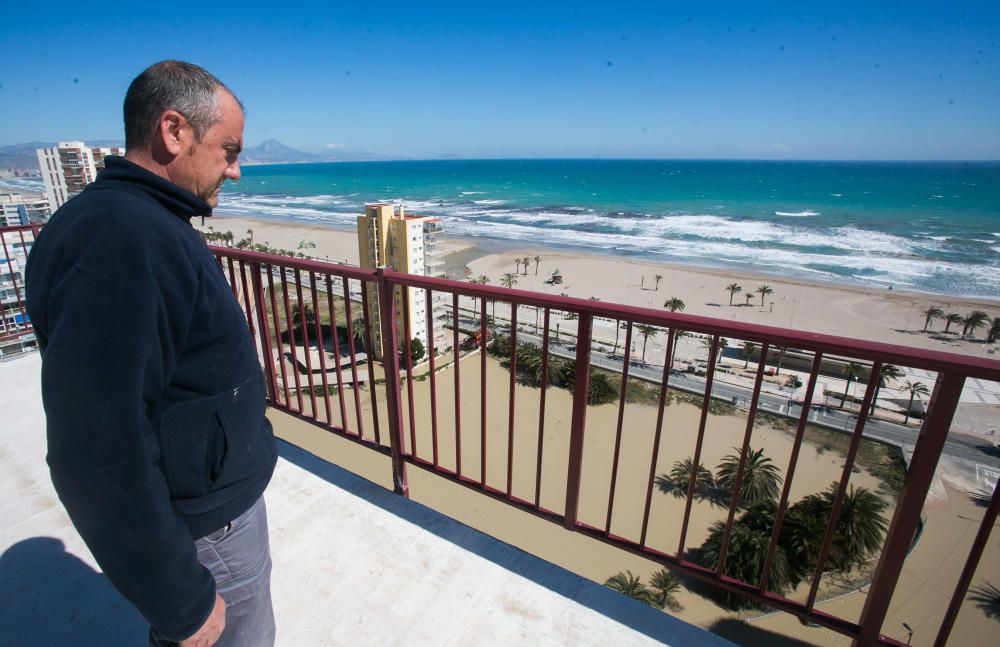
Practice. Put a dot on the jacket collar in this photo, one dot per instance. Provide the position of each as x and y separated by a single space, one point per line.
122 173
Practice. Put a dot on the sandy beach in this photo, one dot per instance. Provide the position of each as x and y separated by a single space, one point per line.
891 316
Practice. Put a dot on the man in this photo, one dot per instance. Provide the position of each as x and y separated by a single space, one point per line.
157 442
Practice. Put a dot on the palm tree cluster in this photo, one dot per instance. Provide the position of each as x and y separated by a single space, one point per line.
661 592
226 238
760 482
857 537
212 236
603 387
526 262
970 322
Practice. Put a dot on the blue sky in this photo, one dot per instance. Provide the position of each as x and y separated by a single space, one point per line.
870 80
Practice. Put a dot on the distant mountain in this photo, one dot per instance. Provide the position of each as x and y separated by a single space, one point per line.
21 157
271 151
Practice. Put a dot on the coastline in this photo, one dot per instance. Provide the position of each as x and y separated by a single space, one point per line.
884 315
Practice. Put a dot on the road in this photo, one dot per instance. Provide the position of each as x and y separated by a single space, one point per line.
957 446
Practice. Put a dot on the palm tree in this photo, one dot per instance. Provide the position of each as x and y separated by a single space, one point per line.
538 259
678 480
646 331
952 318
851 369
527 263
508 280
749 541
733 289
748 347
482 279
994 332
781 357
761 477
250 234
517 265
764 290
748 295
358 327
678 336
706 343
630 585
914 389
658 277
886 373
859 532
665 584
931 314
673 304
976 319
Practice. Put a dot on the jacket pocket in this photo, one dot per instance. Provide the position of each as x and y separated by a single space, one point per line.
194 443
216 446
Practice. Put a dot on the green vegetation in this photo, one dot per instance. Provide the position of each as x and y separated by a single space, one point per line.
733 288
660 593
417 351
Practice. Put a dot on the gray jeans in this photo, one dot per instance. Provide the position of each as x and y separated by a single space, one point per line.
239 558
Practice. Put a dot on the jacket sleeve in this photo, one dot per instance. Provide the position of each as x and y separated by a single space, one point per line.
114 331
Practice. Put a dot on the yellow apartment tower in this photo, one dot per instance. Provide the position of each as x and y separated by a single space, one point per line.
387 237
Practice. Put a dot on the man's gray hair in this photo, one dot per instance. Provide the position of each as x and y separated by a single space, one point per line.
171 85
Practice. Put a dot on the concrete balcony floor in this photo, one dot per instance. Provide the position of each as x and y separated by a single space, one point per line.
354 564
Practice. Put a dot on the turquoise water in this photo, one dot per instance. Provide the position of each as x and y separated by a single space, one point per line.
933 227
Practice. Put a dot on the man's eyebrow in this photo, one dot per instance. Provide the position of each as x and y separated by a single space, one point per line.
233 145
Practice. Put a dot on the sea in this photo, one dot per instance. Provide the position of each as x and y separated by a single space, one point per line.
927 226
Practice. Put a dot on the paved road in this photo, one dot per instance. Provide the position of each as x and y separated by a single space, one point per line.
957 446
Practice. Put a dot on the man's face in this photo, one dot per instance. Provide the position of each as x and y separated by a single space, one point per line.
203 165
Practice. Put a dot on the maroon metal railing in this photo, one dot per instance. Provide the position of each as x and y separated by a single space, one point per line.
286 300
15 242
406 448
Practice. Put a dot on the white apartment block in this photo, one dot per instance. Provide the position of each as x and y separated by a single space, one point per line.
70 166
13 317
411 244
23 208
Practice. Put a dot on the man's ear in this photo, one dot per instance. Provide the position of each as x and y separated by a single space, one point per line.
171 131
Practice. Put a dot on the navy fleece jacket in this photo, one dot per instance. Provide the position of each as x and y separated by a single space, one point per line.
153 392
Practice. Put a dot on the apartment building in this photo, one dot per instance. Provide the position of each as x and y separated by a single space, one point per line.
70 166
15 332
18 208
411 244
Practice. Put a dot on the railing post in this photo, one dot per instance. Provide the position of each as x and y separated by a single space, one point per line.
265 333
393 391
581 386
930 443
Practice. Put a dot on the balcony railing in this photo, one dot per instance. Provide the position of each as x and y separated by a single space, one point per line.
529 433
15 327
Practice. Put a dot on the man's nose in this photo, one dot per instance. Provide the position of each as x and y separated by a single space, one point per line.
233 171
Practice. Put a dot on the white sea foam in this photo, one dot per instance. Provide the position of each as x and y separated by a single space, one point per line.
785 246
797 214
836 195
473 192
